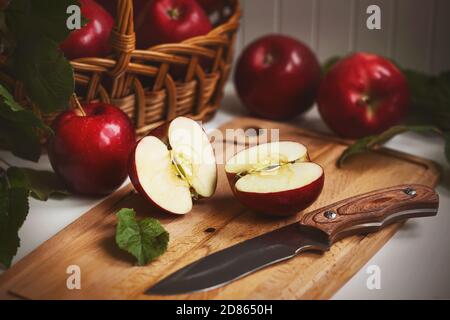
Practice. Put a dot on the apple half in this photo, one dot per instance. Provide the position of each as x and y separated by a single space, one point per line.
171 174
275 178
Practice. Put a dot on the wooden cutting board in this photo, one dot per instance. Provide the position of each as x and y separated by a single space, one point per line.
108 273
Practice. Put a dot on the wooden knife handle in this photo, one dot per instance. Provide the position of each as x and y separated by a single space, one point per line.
372 211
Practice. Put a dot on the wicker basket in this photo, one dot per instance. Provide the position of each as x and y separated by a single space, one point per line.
138 81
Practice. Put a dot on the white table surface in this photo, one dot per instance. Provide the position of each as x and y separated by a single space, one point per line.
414 264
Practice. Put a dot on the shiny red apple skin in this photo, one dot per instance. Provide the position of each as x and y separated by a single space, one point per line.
277 77
172 21
279 204
90 153
92 40
363 94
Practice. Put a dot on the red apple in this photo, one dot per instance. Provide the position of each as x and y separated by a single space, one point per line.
277 77
92 40
90 152
211 5
173 165
363 94
275 178
171 21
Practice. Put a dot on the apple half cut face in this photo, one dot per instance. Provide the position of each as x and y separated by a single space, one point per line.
171 176
275 178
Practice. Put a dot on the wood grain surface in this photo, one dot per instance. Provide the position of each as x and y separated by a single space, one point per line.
372 211
214 224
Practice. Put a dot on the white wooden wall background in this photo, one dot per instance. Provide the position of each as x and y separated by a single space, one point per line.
416 33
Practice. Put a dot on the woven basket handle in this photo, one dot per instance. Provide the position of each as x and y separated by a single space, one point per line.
123 38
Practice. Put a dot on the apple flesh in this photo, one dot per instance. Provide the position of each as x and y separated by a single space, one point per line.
171 175
90 152
275 178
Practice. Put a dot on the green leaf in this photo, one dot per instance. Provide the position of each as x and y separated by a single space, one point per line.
18 128
45 18
39 26
42 184
430 97
16 184
145 240
11 111
9 100
22 141
14 209
47 75
4 207
17 178
372 142
45 184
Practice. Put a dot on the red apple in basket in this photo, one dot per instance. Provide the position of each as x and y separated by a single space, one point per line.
92 40
277 77
171 21
90 152
174 164
363 94
275 178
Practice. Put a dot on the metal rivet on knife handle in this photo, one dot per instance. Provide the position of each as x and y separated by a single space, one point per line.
330 214
410 192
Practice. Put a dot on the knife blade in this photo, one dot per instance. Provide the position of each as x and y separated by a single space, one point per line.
316 230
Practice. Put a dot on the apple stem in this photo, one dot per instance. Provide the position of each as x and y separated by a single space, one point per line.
364 100
268 59
78 105
174 13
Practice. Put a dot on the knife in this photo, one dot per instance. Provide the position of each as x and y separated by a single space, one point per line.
316 230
